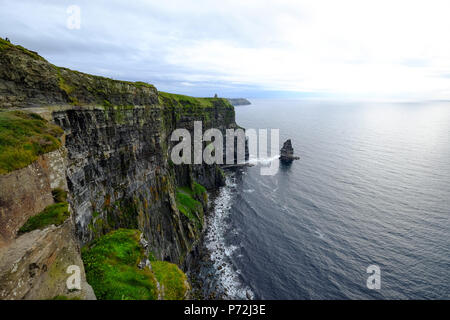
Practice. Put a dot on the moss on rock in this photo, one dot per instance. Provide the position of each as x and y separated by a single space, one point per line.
190 202
172 280
55 214
6 45
190 207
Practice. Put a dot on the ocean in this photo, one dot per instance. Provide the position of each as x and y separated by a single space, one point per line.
372 187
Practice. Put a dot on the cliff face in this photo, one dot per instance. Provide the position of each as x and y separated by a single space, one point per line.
119 174
116 159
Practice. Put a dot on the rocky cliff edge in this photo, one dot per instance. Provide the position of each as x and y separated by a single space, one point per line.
112 158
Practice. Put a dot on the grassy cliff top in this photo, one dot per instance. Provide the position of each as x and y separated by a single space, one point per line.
47 84
7 46
33 81
23 137
173 99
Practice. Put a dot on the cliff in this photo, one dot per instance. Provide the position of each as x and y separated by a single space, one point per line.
111 156
29 80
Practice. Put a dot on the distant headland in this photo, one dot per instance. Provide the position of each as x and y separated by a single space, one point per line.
238 101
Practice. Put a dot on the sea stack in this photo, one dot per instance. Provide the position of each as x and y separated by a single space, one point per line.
287 152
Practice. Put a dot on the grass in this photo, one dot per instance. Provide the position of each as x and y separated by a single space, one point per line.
111 267
111 264
181 106
23 137
141 84
5 45
172 99
55 214
101 88
188 204
198 189
172 278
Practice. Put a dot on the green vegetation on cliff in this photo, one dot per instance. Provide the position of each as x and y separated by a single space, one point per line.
171 99
111 264
5 45
55 214
188 203
172 278
81 89
198 189
27 79
23 137
192 106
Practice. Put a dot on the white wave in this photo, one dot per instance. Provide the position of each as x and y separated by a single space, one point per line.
263 161
249 190
220 251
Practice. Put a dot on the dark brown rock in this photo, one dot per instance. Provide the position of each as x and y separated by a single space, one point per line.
287 152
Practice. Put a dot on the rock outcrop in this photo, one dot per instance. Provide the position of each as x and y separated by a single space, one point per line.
287 152
35 266
28 191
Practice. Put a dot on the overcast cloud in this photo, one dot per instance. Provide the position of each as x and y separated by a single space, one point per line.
252 48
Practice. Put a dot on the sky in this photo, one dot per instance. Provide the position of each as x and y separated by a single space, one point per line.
352 49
